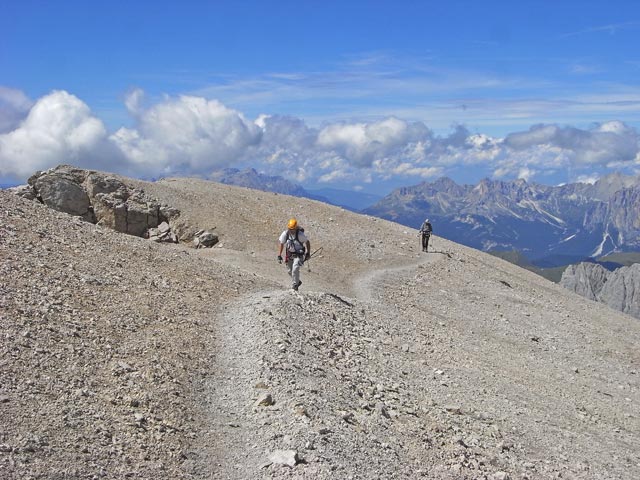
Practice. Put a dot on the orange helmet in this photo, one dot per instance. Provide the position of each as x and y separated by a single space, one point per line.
293 223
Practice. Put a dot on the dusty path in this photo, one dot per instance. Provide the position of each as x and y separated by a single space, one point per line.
235 443
234 438
367 284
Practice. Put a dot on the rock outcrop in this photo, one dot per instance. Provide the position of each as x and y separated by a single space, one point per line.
619 289
622 290
101 198
586 279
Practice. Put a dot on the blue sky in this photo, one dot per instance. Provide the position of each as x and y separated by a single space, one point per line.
365 95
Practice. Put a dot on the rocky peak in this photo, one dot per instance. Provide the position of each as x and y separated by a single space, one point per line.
251 178
619 289
607 186
586 279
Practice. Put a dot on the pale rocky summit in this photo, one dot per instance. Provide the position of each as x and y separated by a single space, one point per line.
586 279
126 358
619 289
622 290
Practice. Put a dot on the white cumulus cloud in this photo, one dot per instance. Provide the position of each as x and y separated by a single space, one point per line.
362 143
612 141
186 135
58 129
189 135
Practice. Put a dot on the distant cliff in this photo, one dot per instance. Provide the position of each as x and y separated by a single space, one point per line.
619 289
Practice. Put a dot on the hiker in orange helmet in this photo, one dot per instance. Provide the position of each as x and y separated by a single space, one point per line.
298 249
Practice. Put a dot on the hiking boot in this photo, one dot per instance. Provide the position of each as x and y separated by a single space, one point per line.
295 287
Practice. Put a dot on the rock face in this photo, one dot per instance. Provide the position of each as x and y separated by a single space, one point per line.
100 198
586 279
619 289
622 290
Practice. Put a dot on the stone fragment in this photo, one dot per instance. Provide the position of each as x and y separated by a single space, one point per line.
284 457
499 476
265 400
382 410
164 227
455 409
206 239
24 191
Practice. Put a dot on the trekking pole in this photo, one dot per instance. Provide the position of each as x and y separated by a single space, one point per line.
311 256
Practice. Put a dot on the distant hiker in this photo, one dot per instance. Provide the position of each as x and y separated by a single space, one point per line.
425 231
297 250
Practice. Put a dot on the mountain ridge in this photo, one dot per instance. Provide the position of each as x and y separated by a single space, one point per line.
579 220
251 178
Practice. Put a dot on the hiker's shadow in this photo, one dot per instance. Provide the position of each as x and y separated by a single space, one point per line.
440 252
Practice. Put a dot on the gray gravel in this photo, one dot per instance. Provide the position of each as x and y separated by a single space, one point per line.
122 358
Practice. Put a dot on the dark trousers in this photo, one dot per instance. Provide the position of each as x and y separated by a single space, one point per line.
425 242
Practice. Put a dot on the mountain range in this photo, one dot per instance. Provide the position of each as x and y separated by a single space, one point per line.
550 225
251 178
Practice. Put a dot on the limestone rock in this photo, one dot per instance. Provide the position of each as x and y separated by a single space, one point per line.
284 457
619 289
622 290
585 279
63 194
100 198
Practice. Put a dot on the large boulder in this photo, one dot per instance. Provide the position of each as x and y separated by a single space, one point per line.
100 198
63 194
